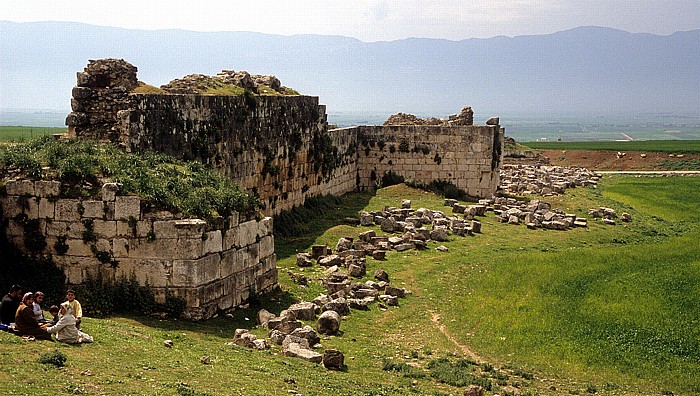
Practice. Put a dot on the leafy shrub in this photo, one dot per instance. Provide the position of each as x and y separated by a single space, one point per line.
55 358
81 165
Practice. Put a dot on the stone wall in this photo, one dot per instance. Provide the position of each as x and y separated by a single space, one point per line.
467 156
211 266
279 146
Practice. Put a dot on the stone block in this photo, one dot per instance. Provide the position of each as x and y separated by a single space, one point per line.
154 271
20 187
105 229
93 209
248 232
67 210
47 188
127 206
46 209
76 247
165 229
265 227
120 247
109 191
196 272
213 242
190 228
267 246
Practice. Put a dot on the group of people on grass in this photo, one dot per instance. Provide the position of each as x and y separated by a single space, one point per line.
23 315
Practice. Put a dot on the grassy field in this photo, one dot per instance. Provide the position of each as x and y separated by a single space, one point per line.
603 309
25 133
669 146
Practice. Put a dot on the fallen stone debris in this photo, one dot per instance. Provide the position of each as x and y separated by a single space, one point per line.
545 180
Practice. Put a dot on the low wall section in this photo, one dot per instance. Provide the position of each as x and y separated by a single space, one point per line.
211 266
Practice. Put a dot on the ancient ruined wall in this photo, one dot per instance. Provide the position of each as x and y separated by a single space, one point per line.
211 266
278 146
467 156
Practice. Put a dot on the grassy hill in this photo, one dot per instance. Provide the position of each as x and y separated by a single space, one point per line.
603 309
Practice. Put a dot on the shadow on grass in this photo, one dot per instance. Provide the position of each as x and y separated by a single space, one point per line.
225 324
297 229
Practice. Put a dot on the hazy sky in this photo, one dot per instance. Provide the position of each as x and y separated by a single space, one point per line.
368 20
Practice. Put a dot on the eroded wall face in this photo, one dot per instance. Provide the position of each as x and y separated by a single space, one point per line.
277 146
211 266
467 156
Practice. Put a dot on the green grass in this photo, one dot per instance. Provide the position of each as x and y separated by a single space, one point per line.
607 308
669 146
26 133
83 166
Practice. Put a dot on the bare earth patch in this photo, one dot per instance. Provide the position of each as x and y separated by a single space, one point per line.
609 160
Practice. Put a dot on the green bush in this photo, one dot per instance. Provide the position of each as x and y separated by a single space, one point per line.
390 178
187 187
55 358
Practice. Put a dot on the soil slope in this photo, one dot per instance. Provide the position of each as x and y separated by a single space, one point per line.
609 160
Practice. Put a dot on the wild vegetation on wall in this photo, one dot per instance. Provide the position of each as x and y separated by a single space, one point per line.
83 166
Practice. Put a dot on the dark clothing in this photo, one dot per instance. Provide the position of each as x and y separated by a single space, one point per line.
26 324
8 309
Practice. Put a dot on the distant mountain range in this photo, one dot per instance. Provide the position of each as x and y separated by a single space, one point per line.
585 70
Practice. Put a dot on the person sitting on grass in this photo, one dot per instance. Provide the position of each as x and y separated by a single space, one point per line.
25 322
53 310
38 311
65 328
75 304
9 305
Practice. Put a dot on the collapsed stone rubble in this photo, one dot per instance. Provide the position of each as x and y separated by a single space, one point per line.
198 83
465 117
545 181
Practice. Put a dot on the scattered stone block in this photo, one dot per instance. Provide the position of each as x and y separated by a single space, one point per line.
381 275
328 323
333 359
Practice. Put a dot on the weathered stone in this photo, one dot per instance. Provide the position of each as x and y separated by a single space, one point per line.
442 249
295 350
319 251
391 301
357 270
366 219
304 260
339 305
381 275
395 291
625 217
358 303
439 234
379 254
333 359
344 243
367 236
303 310
277 336
328 323
474 390
308 333
264 316
329 261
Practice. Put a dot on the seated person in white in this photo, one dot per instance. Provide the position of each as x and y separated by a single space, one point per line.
65 328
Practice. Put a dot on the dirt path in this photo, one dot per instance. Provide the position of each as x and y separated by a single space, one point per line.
464 348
